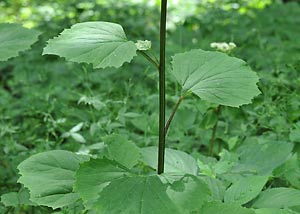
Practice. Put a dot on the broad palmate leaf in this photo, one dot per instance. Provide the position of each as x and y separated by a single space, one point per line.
215 77
50 176
93 176
102 44
15 38
135 194
107 187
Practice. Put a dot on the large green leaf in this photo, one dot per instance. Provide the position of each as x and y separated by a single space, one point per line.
222 208
138 195
292 171
190 193
50 176
102 44
278 198
14 38
274 211
264 157
215 77
216 187
245 189
122 150
93 176
175 161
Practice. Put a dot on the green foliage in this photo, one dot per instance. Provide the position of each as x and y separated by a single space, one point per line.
122 150
102 44
274 211
190 193
10 42
278 198
264 157
218 207
245 189
49 176
215 77
137 194
16 199
175 161
94 175
111 116
107 186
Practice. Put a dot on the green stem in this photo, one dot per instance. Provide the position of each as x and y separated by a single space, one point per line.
153 56
162 86
149 58
213 135
172 114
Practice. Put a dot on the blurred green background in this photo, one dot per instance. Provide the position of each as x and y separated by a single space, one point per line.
43 97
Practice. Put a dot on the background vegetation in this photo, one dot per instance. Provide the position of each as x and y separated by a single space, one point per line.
42 97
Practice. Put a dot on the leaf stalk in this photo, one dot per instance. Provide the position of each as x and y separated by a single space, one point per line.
152 60
172 114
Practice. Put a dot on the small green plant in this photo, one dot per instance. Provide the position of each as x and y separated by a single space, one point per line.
124 178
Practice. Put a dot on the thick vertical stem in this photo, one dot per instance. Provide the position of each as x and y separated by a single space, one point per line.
162 92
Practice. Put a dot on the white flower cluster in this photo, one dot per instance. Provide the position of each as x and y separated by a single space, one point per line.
223 46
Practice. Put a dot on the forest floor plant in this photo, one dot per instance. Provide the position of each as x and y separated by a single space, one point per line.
124 178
